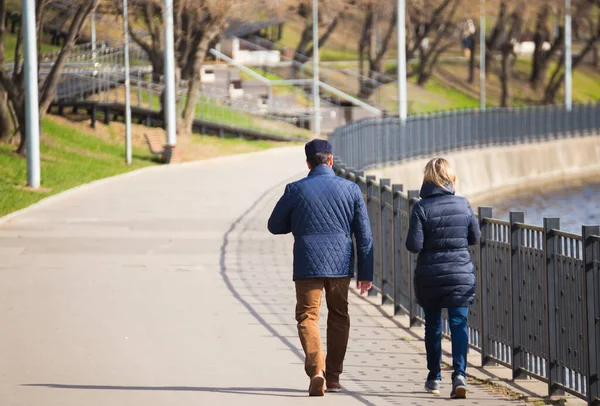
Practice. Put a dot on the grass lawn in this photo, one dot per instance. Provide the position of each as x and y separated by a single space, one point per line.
68 157
448 96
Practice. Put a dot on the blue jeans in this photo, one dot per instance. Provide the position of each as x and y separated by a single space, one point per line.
433 340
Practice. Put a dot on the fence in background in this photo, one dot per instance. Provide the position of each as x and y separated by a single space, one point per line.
213 104
375 142
537 309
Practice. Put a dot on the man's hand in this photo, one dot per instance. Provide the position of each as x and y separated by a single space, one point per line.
364 286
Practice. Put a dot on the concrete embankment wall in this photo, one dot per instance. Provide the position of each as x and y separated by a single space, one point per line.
487 174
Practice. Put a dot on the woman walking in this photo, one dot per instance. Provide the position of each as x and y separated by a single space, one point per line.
442 226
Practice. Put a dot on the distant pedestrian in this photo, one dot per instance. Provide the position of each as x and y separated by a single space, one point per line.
323 212
442 226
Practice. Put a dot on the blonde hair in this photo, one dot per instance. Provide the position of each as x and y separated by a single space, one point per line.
439 172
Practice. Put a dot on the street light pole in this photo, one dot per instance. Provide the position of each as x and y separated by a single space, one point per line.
32 110
170 103
93 24
482 55
568 58
128 151
402 86
316 80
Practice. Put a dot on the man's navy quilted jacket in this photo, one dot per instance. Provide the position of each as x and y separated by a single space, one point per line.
323 211
442 226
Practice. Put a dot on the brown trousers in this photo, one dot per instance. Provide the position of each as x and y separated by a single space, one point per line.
308 304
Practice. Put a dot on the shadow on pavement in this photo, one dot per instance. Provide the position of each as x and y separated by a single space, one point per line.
280 392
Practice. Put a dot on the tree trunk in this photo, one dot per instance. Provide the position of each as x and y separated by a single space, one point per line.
422 74
538 68
158 67
5 123
185 126
48 89
19 109
362 53
552 89
505 76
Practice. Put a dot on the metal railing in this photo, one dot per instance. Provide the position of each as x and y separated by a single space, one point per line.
537 307
213 104
376 142
300 67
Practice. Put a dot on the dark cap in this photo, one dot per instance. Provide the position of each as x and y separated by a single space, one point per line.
315 146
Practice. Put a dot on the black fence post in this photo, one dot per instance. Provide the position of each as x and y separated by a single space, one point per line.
413 196
107 116
592 311
550 251
384 224
93 115
372 218
517 281
397 201
484 214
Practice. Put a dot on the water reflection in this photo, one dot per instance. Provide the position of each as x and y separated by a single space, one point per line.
575 207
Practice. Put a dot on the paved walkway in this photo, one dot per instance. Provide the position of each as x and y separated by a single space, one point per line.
164 288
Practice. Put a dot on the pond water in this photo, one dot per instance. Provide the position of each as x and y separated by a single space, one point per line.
576 206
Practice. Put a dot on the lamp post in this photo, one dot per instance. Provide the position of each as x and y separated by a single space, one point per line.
128 152
568 58
32 110
482 55
316 80
402 86
93 26
169 57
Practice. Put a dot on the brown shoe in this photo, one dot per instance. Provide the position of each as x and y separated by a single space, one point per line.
334 386
317 385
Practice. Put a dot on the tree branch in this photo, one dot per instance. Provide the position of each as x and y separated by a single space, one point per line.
17 66
145 45
49 88
388 35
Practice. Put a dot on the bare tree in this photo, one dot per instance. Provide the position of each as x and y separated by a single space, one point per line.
510 37
373 45
590 8
431 29
197 24
13 81
331 12
543 54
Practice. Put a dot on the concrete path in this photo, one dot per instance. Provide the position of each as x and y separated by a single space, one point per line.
164 288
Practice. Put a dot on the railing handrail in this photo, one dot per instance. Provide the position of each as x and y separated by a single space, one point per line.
373 142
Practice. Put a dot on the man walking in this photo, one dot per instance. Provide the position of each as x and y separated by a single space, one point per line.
323 212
